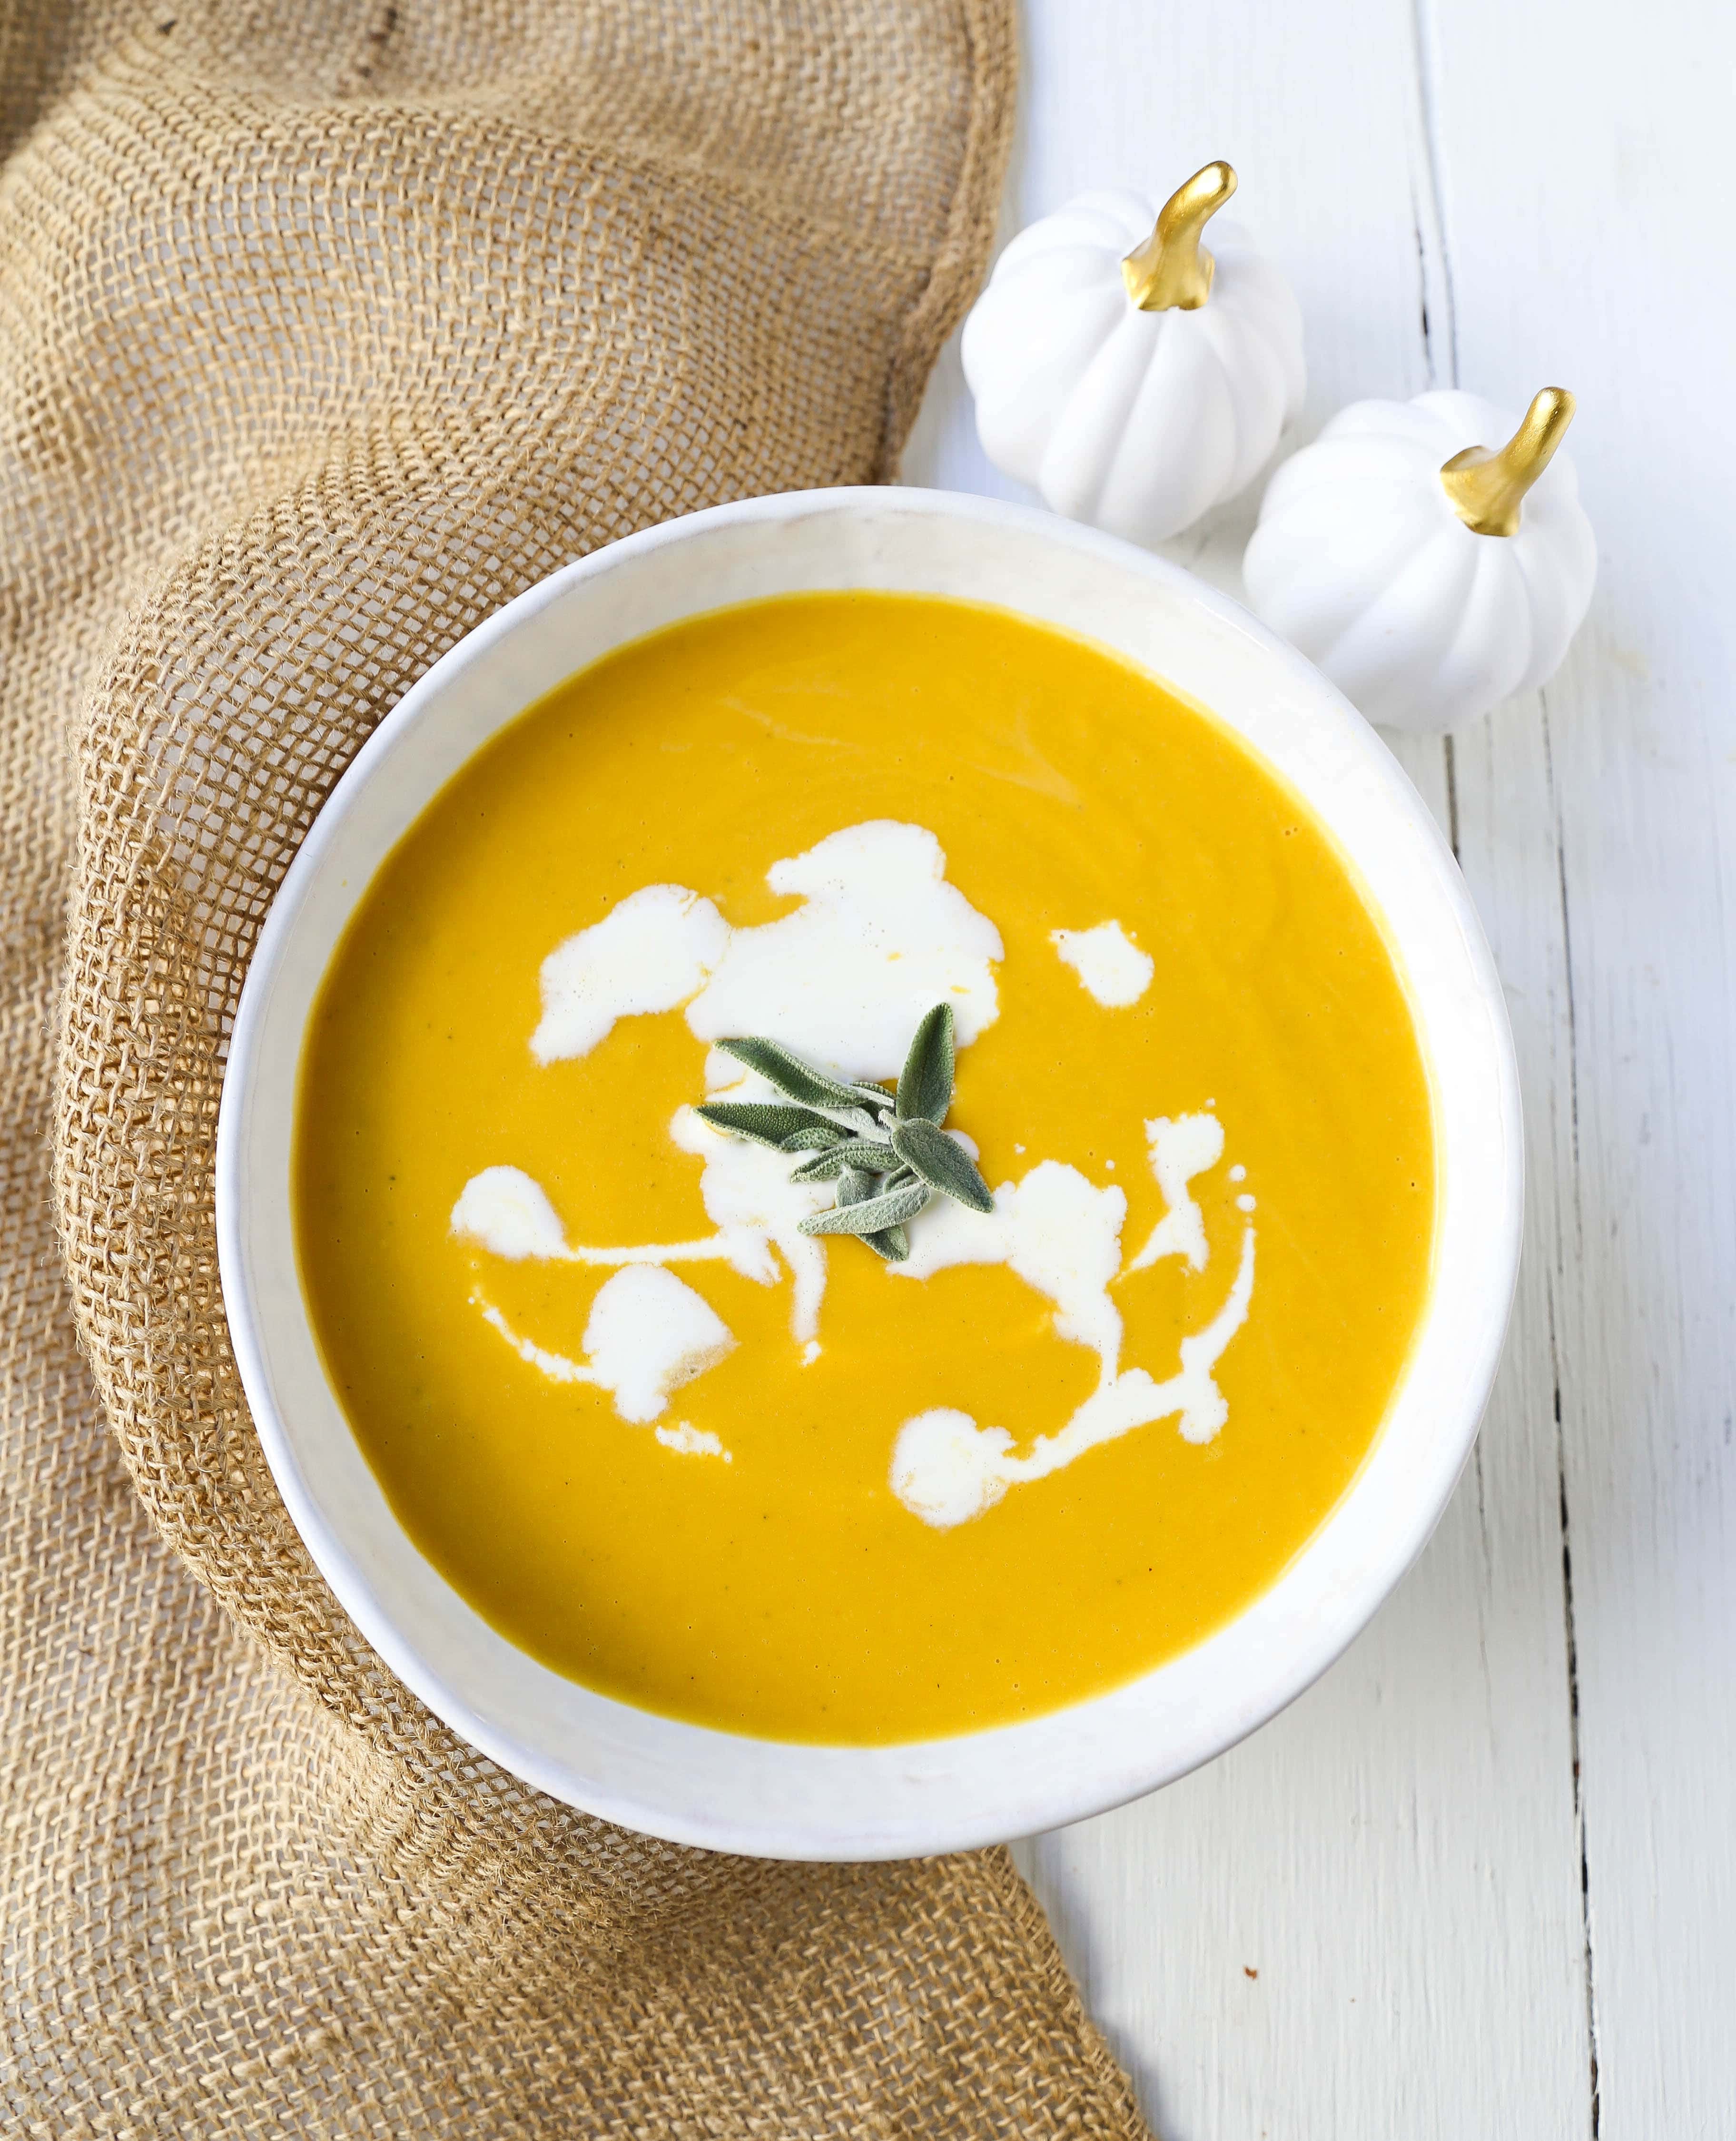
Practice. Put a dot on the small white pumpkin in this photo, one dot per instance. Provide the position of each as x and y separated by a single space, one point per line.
1428 575
1125 374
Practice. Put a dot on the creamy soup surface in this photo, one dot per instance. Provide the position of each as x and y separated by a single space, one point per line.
706 1463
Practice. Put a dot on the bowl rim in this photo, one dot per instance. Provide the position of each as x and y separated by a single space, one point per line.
692 1784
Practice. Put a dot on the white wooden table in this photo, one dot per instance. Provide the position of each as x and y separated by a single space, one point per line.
1486 1870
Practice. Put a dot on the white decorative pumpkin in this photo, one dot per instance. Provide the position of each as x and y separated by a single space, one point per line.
1122 372
1428 574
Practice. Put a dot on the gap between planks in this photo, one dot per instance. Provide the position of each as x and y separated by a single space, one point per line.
1440 345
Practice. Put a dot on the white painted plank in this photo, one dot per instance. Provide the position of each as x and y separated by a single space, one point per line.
1588 183
1397 1857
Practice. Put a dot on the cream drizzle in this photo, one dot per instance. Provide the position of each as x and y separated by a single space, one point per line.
506 1212
947 1470
1179 1150
647 1334
1063 1237
880 936
1110 967
693 1441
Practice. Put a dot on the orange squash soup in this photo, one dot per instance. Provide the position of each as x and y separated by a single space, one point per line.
1153 1204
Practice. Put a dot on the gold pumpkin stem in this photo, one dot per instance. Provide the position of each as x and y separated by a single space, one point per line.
1172 272
1487 488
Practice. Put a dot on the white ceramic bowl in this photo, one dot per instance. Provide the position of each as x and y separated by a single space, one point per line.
737 1794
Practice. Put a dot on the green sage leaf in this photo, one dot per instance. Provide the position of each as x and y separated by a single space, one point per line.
768 1122
820 1167
788 1073
870 1215
879 1184
871 1155
942 1162
865 1157
891 1244
924 1088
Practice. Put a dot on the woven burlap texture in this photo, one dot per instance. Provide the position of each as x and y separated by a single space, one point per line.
324 329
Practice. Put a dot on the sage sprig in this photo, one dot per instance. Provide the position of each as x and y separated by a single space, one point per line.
885 1151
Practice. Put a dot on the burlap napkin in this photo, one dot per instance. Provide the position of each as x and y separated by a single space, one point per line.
325 328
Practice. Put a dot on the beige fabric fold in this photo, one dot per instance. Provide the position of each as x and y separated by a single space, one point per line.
324 329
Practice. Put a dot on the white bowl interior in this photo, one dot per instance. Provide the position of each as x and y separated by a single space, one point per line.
733 1793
